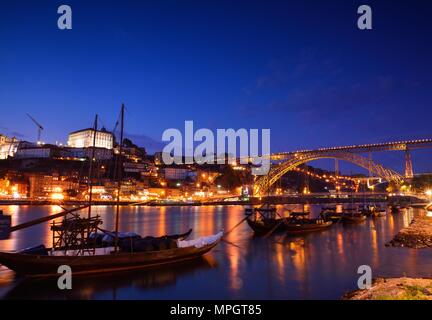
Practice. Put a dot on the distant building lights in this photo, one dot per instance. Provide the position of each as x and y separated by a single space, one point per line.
57 196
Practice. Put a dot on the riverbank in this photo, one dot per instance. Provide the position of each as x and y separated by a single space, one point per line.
394 289
417 235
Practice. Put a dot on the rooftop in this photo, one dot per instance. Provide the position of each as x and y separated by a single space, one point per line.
91 129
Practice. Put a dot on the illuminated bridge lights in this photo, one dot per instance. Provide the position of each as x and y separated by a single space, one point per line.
326 177
401 145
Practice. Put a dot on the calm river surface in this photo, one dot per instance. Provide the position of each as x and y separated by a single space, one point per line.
319 265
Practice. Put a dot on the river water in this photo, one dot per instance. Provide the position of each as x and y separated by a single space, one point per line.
319 265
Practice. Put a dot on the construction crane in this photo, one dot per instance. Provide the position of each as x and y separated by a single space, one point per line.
40 128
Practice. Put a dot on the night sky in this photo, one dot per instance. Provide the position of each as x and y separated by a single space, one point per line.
301 68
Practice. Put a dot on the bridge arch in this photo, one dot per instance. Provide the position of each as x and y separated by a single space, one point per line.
263 183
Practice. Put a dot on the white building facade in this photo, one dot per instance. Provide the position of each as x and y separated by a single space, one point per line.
84 139
8 146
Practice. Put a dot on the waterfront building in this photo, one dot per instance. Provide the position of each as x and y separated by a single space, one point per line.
164 193
84 139
45 186
13 188
8 146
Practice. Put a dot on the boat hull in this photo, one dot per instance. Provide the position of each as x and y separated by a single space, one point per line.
354 220
263 227
39 265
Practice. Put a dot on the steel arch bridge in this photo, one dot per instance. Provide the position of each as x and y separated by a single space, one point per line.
290 161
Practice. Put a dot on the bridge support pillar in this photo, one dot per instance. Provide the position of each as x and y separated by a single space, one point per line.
369 164
408 165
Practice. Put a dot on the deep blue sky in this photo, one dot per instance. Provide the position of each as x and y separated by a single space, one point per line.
300 68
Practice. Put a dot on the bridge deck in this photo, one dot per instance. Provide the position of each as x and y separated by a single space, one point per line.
385 146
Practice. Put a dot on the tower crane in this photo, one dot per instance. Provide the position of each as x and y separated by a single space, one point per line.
40 128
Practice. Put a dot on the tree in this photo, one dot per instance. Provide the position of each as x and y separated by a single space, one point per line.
229 178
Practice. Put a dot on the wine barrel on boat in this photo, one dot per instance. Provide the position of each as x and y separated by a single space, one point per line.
130 241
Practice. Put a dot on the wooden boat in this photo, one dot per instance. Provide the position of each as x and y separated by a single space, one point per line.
394 208
330 214
263 210
307 225
353 217
295 223
264 226
367 210
333 216
105 259
379 212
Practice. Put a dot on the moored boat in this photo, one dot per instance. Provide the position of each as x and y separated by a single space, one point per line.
296 222
330 214
379 212
394 208
353 217
366 209
105 259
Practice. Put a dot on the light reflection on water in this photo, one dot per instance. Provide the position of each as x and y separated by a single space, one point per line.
319 265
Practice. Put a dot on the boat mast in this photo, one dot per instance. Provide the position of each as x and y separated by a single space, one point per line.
119 176
89 180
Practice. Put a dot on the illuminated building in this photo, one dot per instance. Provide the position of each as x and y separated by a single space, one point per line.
46 186
16 188
8 146
84 139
